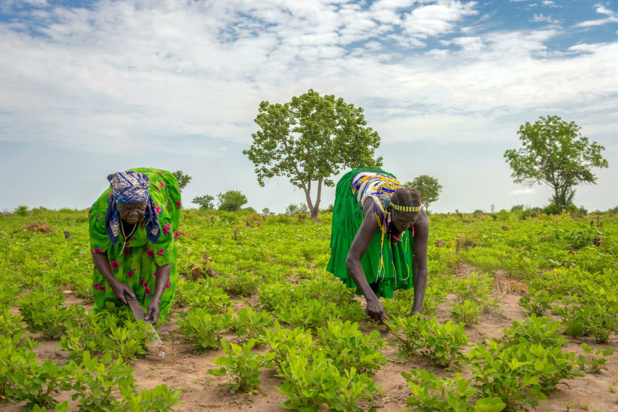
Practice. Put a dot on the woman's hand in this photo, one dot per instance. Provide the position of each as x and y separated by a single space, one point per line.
375 310
152 311
119 291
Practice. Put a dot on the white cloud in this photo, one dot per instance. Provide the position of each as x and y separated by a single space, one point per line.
612 18
436 19
602 10
519 192
541 18
467 44
147 70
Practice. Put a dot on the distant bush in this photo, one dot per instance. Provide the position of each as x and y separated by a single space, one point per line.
517 207
294 209
21 210
552 210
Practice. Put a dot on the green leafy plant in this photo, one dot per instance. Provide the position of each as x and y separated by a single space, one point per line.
213 299
600 320
43 312
284 341
594 361
241 284
36 384
252 325
242 365
467 312
477 288
53 321
96 382
553 366
441 343
203 329
535 330
310 382
10 324
13 352
159 399
129 341
350 348
22 378
572 315
539 301
506 372
431 393
311 313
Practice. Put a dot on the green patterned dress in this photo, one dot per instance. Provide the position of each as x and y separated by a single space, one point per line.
137 264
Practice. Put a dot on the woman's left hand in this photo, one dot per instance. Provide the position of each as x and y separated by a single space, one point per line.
152 311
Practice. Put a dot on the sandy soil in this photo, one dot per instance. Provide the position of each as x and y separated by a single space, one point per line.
182 369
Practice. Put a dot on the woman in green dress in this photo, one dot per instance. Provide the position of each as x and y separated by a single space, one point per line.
133 233
379 238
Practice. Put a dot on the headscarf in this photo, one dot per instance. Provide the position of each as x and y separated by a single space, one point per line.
130 187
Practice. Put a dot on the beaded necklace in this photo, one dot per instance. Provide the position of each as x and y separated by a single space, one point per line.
126 238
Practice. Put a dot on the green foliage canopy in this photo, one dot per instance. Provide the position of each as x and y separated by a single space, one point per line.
310 139
204 202
555 153
231 201
428 187
183 179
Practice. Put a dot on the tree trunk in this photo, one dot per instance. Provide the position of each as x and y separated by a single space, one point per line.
316 208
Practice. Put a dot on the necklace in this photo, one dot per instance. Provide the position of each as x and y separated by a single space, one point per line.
126 238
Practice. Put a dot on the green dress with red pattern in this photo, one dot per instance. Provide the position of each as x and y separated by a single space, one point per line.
136 262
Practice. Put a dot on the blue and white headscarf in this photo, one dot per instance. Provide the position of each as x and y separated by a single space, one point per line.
130 187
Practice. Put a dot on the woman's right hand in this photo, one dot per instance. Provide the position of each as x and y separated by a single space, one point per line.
375 310
120 289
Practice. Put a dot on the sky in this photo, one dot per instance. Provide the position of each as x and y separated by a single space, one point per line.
88 88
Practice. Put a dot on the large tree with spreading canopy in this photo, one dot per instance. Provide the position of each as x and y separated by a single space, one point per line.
555 153
309 140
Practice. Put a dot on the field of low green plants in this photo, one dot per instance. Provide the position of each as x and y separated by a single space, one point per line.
254 292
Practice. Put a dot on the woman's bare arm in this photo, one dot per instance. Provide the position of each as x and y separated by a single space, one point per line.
359 246
419 266
154 307
101 263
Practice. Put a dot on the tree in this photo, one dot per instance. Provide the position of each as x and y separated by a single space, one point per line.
205 202
183 179
231 201
428 187
311 139
293 209
556 154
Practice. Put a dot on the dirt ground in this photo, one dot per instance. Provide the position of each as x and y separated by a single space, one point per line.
180 368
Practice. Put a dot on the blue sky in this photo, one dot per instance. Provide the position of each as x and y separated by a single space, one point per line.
92 87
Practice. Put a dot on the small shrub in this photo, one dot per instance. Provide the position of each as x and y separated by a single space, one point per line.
536 330
284 341
591 363
350 348
467 312
431 393
252 325
441 343
242 365
539 301
203 329
310 383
